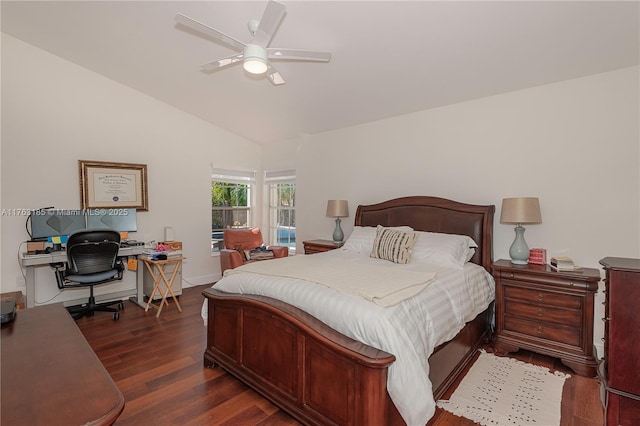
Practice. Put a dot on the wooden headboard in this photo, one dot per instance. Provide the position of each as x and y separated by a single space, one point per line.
433 214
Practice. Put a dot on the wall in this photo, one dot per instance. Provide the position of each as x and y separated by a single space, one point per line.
573 144
55 113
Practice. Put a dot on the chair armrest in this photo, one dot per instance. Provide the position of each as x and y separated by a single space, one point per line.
120 261
230 259
279 251
60 268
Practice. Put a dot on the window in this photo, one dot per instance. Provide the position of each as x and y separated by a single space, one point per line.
281 187
230 202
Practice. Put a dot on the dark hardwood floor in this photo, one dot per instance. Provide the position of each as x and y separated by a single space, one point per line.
157 364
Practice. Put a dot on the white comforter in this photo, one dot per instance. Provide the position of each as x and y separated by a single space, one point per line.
410 330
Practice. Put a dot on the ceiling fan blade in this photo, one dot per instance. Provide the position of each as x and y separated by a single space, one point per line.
273 14
274 76
221 63
211 32
298 55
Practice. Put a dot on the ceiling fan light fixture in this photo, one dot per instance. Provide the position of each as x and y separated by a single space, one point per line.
255 59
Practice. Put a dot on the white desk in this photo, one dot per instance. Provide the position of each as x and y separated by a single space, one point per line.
31 262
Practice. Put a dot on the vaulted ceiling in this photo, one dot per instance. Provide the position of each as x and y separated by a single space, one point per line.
389 58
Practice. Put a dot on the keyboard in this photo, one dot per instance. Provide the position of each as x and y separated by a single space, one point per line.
131 243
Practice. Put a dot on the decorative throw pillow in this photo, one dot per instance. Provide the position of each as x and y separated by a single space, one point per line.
393 245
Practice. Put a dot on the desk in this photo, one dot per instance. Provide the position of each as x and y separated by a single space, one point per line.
159 265
51 374
30 262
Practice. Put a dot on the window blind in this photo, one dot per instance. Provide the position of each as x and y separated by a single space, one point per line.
232 176
279 176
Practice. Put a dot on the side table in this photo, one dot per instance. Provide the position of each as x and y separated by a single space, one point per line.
319 246
547 312
159 265
14 295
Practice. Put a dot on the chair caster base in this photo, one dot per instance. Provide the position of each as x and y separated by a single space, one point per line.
89 309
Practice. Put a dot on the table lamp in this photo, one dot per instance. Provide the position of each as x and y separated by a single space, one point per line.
337 209
520 210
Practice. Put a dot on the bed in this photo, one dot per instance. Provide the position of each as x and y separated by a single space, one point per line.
320 375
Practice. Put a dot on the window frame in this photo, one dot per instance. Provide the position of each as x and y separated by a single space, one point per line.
232 177
272 181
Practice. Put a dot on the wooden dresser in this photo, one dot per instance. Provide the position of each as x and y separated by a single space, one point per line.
546 312
619 370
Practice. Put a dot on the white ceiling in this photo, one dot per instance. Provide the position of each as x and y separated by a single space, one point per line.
389 57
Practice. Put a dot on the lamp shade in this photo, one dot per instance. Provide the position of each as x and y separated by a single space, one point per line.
337 208
520 210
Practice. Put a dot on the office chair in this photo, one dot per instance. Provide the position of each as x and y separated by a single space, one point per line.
92 259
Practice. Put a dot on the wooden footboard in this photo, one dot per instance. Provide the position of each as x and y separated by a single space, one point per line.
314 373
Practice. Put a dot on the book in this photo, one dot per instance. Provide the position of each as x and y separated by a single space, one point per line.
562 263
261 254
538 256
575 268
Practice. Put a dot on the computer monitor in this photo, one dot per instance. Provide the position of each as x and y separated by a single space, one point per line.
56 223
123 220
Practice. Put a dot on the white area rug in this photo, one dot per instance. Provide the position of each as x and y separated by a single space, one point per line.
500 391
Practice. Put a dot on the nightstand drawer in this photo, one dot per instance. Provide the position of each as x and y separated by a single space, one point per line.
550 279
570 317
542 297
548 331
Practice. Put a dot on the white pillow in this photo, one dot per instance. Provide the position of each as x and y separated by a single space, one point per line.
447 250
361 239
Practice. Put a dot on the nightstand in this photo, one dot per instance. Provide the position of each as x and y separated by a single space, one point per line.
319 246
547 312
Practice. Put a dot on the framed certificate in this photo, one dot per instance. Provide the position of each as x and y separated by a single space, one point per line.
113 185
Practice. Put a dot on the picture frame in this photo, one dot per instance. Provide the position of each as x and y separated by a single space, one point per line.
113 185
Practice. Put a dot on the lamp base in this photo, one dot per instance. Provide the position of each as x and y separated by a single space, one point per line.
338 235
519 250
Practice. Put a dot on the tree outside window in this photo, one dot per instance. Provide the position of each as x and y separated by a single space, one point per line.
230 208
282 208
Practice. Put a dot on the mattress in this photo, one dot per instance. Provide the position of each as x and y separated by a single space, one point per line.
410 330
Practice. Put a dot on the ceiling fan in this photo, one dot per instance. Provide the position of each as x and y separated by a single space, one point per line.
256 56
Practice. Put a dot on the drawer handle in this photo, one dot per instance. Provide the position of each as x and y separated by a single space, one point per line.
510 275
605 319
540 311
540 296
539 329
